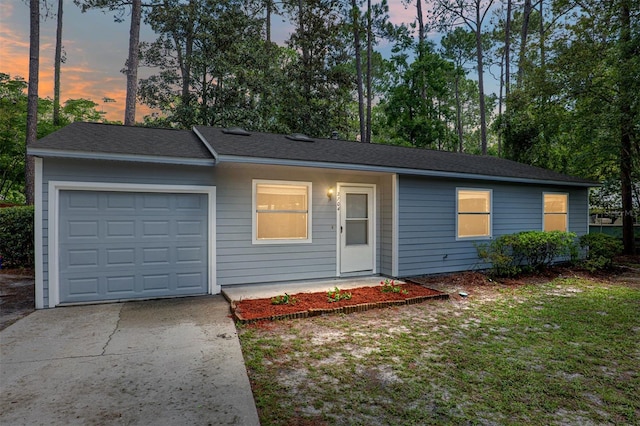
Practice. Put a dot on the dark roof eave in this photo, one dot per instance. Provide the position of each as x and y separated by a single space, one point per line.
55 153
397 170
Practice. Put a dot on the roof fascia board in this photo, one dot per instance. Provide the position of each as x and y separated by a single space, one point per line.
205 143
119 157
401 171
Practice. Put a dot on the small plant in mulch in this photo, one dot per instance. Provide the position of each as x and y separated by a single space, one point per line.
337 295
283 299
389 286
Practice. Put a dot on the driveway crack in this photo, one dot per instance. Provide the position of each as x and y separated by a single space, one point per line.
115 329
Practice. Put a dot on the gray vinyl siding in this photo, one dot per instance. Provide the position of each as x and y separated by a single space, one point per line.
113 172
427 221
239 261
386 227
426 224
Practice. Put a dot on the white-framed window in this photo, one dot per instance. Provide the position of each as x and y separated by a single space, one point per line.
473 209
281 212
555 212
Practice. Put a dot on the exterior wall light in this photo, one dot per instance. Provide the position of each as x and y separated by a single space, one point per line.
330 193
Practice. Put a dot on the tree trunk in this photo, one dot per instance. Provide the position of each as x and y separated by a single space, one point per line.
421 39
355 14
268 7
32 95
483 113
132 63
500 102
458 112
421 36
626 125
524 33
542 38
56 67
507 50
367 138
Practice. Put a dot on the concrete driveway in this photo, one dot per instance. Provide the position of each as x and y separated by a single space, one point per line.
163 362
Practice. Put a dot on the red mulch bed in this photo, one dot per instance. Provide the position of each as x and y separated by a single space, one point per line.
312 304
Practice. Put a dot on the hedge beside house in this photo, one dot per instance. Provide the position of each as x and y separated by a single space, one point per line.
525 251
16 237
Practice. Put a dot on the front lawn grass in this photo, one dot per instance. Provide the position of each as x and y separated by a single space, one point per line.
565 352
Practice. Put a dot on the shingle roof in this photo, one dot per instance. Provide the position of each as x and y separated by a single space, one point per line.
100 138
274 146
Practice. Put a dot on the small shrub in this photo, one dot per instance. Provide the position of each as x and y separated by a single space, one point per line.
392 287
336 295
284 299
16 237
529 250
601 249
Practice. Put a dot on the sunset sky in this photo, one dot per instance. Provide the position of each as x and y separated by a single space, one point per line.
96 49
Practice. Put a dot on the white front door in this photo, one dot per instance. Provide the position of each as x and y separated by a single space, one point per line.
357 221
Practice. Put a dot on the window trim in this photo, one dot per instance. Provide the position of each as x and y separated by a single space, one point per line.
544 213
490 213
254 215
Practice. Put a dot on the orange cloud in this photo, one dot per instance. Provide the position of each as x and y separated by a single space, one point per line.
79 77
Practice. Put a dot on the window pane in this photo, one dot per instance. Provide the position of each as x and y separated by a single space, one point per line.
473 225
281 197
555 222
470 201
555 203
281 226
357 206
357 232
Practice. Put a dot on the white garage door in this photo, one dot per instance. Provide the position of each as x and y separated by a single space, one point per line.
127 245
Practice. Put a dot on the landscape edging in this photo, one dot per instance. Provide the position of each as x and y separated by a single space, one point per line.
348 309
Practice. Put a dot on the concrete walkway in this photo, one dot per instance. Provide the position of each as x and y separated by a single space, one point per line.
261 291
163 362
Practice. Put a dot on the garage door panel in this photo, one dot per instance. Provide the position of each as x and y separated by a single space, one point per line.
155 282
187 228
84 287
189 255
87 202
119 228
82 258
83 229
156 256
188 280
155 228
120 256
156 250
121 201
155 202
121 285
185 203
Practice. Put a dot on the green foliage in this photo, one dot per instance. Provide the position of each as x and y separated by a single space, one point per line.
284 299
389 286
337 295
601 249
528 250
13 123
417 107
16 237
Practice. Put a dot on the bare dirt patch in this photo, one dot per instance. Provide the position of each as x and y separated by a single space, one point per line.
17 295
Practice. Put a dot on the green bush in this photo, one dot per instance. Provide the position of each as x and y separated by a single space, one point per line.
601 248
16 237
529 250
